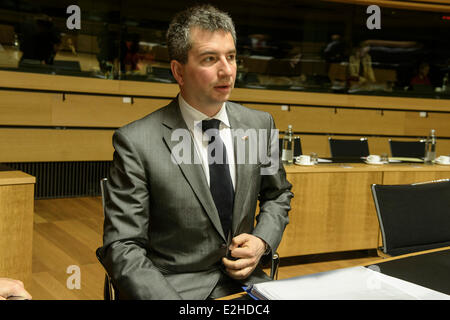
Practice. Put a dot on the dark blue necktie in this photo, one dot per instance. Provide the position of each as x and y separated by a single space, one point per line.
220 182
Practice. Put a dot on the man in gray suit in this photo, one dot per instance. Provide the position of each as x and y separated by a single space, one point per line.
185 229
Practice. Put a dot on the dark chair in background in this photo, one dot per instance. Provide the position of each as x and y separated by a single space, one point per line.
110 291
413 217
297 146
341 148
408 149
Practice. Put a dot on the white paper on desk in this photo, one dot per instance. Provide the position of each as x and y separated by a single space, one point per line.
356 283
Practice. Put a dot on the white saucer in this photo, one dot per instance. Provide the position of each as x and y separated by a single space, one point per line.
301 164
442 163
373 162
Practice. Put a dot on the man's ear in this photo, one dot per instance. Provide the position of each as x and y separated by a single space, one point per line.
177 71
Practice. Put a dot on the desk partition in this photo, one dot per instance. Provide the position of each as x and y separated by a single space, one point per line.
333 208
16 224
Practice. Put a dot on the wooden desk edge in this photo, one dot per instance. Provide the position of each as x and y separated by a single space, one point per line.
15 177
362 167
381 260
233 296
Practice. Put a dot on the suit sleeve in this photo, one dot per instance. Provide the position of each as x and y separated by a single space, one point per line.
125 237
274 198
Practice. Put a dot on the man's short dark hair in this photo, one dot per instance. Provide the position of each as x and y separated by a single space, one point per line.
205 17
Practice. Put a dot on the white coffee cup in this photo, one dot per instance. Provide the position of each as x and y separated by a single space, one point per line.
304 160
374 158
443 159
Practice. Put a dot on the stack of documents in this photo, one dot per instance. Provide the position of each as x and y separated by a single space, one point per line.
404 159
356 283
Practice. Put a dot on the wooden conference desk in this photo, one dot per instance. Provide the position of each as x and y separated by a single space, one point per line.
333 208
16 224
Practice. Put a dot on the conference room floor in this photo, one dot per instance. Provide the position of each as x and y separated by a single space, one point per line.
68 231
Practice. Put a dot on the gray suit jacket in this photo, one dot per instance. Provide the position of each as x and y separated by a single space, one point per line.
162 233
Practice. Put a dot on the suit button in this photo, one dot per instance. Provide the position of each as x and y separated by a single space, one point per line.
223 246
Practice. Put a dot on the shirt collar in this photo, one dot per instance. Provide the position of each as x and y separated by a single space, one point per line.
192 116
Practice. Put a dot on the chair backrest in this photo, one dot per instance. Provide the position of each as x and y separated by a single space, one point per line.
349 148
297 147
409 149
109 291
413 217
103 183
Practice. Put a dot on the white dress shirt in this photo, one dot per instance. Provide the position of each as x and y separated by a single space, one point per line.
193 119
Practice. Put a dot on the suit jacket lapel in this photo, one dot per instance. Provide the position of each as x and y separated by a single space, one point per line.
193 172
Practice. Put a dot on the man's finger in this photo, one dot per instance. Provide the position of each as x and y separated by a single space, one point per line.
236 264
242 252
239 240
240 274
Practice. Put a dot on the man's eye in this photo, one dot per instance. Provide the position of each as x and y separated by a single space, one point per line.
209 59
231 57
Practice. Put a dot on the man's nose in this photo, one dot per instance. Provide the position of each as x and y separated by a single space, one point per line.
225 67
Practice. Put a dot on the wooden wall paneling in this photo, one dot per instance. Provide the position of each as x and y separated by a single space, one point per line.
406 177
416 125
350 121
156 89
315 143
379 145
54 109
338 100
101 111
310 119
36 145
443 147
363 121
336 120
58 83
11 79
304 119
25 108
49 109
331 212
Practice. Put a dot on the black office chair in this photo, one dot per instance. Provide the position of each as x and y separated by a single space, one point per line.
413 217
408 149
297 146
340 148
110 291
